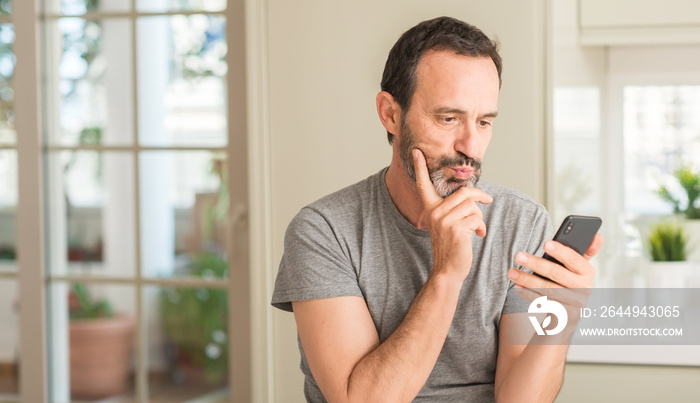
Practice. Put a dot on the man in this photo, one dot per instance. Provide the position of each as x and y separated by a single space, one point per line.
400 284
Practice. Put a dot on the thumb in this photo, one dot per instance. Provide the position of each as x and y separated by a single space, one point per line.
426 189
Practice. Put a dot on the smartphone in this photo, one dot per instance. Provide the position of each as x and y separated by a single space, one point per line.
576 232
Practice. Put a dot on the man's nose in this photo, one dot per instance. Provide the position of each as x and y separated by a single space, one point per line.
467 141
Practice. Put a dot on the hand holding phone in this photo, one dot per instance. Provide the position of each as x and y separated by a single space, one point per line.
576 232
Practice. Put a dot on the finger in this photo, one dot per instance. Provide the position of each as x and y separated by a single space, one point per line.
574 297
477 225
465 220
467 193
595 246
528 280
550 270
567 256
426 189
460 211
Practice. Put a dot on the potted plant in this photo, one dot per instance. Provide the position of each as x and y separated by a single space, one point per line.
667 244
690 182
686 202
195 325
100 346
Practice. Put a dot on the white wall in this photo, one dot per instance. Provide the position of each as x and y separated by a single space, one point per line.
325 65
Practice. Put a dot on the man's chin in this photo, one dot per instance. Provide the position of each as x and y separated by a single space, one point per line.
452 185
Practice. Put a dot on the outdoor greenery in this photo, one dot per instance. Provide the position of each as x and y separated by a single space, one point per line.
7 70
5 7
690 182
668 242
79 6
195 320
83 306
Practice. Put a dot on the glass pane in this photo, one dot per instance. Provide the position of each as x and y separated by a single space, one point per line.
9 348
577 158
8 208
90 82
182 86
184 205
188 344
155 6
5 7
91 213
78 7
7 94
92 336
661 129
576 152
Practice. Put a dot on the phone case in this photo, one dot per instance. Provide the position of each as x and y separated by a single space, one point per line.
576 232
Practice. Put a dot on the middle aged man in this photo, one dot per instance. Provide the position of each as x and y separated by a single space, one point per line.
400 284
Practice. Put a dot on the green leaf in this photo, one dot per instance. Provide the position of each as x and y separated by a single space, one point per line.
668 242
88 308
690 182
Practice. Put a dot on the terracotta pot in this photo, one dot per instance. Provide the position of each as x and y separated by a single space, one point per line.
100 356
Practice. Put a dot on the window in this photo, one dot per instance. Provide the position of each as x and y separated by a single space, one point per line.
142 218
661 130
625 121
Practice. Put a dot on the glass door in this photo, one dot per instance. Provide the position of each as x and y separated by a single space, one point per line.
145 202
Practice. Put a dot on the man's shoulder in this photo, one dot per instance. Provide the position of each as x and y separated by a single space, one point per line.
346 202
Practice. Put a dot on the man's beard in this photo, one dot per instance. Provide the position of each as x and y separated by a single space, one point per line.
444 185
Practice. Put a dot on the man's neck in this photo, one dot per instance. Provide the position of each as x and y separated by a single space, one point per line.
404 194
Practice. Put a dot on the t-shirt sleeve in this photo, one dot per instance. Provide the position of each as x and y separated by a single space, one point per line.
314 264
541 232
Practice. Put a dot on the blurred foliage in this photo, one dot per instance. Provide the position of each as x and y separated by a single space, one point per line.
8 252
7 70
89 136
668 242
195 320
86 42
82 39
199 43
690 182
72 7
83 306
5 7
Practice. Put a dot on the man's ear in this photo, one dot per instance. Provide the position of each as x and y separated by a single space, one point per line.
389 112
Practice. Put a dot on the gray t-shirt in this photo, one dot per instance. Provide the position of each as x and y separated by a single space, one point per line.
355 242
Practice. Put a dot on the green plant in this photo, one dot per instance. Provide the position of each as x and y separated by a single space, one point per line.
690 182
195 319
83 306
668 242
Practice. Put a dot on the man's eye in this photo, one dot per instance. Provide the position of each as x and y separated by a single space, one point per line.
448 119
484 123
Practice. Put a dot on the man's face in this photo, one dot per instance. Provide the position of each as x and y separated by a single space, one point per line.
450 118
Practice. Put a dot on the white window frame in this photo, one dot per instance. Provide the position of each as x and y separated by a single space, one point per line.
615 142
